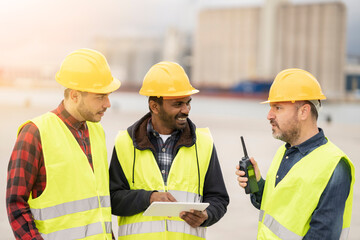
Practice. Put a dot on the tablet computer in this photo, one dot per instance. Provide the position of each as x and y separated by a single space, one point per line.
172 209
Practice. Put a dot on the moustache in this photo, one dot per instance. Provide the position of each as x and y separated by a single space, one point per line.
181 115
103 111
273 122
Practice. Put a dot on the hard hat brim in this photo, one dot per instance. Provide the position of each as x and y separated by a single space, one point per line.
113 86
176 94
295 100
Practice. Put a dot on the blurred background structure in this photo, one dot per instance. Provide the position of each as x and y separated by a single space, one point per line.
231 49
225 46
234 45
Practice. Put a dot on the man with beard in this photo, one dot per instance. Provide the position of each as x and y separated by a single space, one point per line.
58 179
308 190
163 157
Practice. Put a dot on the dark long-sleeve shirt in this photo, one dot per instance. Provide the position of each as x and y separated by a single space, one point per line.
327 219
126 202
27 173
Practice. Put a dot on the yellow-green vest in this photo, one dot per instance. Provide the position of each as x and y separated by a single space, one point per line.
183 183
286 209
76 201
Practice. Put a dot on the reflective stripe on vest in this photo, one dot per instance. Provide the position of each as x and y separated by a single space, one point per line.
78 232
183 227
159 226
278 229
141 227
283 233
70 207
182 196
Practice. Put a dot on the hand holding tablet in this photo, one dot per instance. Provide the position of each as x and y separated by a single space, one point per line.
172 209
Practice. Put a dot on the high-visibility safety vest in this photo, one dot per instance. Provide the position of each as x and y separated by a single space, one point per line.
286 209
76 201
185 182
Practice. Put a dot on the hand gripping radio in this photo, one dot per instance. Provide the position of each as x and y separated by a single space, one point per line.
246 166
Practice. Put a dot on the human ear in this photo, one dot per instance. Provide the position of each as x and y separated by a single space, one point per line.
74 95
154 107
305 111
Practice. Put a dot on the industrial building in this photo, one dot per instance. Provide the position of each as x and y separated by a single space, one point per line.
254 43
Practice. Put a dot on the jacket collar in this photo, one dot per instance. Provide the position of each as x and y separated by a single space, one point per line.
138 131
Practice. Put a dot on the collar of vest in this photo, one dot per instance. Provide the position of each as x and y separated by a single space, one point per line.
138 130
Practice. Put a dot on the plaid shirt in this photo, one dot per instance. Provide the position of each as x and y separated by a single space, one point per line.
165 151
27 173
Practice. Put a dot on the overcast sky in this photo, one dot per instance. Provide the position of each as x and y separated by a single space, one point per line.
43 32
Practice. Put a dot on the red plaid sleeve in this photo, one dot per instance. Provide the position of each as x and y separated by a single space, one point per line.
26 174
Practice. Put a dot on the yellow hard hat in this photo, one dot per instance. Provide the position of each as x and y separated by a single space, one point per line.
167 79
294 85
87 70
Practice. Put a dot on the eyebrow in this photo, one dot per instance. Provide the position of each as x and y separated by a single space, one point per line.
275 104
178 101
102 94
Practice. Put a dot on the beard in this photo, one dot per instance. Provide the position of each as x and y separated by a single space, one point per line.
171 121
289 135
86 113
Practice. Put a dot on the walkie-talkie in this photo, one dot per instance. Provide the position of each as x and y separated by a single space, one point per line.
246 166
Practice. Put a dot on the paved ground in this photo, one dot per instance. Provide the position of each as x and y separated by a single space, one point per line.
228 119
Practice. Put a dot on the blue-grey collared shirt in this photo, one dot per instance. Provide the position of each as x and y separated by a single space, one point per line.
165 150
327 219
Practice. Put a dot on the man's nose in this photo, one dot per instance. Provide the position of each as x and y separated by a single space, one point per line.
185 108
107 103
270 115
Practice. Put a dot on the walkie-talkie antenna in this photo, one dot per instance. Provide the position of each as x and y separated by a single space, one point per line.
244 148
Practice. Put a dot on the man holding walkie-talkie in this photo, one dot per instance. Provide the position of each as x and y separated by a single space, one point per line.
308 191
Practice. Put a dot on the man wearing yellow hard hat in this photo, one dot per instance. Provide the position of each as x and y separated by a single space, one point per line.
58 182
163 157
308 191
